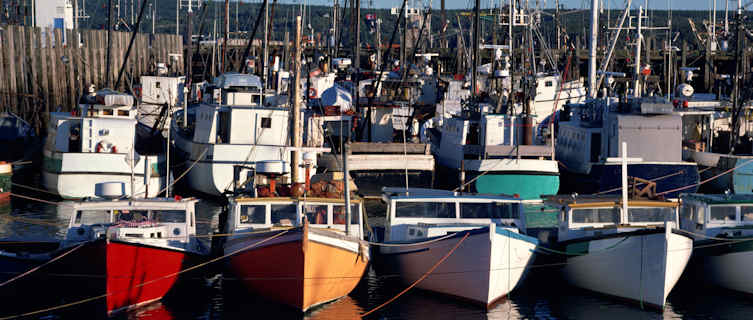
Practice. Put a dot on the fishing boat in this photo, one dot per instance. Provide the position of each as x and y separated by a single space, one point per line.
231 128
482 238
589 134
133 251
627 247
720 225
296 246
97 143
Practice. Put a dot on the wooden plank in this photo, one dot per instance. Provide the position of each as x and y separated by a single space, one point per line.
34 89
60 72
379 147
70 44
51 69
102 47
42 76
12 58
22 88
510 151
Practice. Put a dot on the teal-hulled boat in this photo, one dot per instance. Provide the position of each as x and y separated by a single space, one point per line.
488 152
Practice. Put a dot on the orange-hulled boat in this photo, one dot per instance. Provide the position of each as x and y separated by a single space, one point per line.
296 251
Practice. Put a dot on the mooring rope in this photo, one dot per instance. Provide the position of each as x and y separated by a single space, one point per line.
447 255
42 265
144 283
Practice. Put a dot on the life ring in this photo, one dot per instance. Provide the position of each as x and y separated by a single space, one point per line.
312 93
104 146
198 95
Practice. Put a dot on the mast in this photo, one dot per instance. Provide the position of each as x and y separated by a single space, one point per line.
637 70
108 81
739 77
227 31
592 48
346 180
476 39
265 57
357 52
297 136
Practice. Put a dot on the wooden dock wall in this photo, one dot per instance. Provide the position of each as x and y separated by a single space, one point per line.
42 71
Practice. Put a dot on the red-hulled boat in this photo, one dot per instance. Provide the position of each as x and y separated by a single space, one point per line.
124 252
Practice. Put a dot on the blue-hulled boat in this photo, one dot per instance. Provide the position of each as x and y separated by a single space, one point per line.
590 133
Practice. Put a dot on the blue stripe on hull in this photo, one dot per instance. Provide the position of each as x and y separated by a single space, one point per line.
609 177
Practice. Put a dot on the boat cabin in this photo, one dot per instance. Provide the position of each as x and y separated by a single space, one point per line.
593 216
414 214
234 89
717 215
592 132
254 214
108 125
163 222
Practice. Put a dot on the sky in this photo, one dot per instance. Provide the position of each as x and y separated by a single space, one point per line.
467 4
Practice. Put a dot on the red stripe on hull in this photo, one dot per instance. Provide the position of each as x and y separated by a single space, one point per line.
138 274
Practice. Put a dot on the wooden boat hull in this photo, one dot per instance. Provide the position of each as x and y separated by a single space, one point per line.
726 266
482 270
300 269
128 274
641 266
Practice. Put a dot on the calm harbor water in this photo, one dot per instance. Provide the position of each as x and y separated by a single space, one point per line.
542 295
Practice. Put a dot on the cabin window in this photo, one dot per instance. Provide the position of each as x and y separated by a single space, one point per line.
92 216
723 213
316 213
425 209
130 215
257 98
699 215
686 212
253 214
489 210
283 214
548 83
223 127
649 214
338 214
174 216
596 215
266 123
123 113
746 213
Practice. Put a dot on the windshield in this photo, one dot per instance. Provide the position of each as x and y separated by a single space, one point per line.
650 214
404 209
596 215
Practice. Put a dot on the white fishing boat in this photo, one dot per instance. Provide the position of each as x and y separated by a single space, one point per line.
99 143
424 226
720 225
239 131
635 255
624 247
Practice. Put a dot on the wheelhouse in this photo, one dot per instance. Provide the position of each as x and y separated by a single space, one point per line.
411 212
162 222
594 216
717 215
252 214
